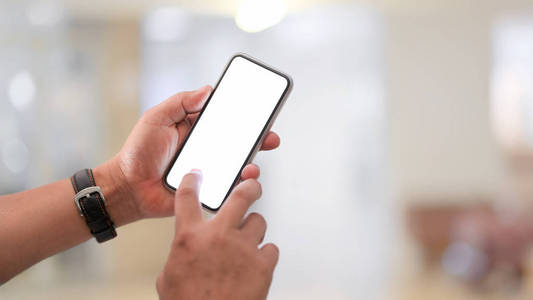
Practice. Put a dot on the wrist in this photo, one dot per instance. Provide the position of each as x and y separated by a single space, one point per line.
118 194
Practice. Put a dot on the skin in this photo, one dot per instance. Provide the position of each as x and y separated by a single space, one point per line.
41 222
194 268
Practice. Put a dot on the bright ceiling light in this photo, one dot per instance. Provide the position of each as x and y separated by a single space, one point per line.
258 15
21 90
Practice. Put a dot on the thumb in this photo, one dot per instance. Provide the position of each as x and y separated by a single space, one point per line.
175 109
186 201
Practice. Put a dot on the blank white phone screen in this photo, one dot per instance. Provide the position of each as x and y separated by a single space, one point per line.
228 129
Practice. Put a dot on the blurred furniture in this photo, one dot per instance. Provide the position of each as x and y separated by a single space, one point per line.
485 247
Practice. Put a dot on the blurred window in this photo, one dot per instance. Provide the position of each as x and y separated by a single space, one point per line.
512 82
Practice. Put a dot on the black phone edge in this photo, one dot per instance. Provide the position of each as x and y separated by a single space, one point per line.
252 152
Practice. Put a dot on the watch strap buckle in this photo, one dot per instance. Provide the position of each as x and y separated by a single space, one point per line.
86 193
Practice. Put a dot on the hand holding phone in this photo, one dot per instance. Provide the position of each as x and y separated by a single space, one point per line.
142 162
231 127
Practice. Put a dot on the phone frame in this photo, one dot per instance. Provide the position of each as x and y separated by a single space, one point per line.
260 138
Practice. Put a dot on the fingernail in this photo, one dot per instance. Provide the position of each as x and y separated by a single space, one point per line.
198 173
203 89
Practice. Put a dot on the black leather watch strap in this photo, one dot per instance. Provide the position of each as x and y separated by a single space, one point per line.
91 205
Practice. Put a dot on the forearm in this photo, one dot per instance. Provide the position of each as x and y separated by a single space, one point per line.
41 222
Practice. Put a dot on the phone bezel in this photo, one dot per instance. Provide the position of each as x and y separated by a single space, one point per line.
260 137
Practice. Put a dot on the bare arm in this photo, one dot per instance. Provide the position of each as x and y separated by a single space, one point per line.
41 222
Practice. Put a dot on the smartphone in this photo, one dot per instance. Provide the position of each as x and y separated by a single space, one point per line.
230 128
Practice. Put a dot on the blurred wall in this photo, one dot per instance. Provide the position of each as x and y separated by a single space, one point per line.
439 65
442 147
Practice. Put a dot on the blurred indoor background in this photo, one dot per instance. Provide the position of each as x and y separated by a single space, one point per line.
406 164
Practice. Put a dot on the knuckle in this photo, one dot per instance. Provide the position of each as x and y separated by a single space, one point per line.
181 95
240 194
275 248
165 279
249 190
258 218
275 251
183 240
185 192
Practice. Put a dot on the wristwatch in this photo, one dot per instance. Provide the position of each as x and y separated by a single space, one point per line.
91 205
